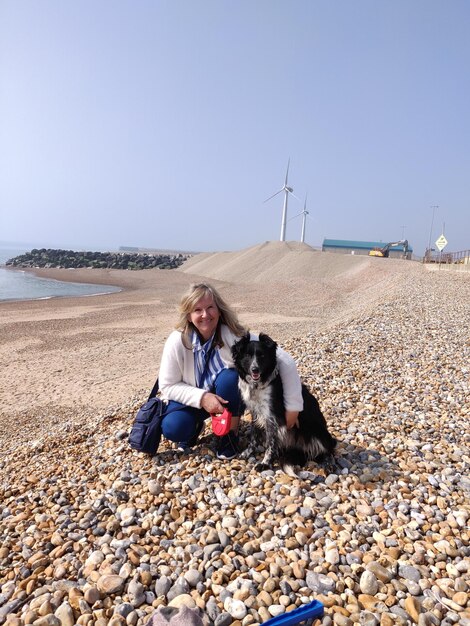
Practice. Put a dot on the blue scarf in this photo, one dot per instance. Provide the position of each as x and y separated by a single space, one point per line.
207 362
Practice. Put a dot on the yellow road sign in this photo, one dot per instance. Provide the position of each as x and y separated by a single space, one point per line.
441 243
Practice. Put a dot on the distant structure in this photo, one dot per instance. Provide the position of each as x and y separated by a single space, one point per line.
287 190
344 246
137 250
461 258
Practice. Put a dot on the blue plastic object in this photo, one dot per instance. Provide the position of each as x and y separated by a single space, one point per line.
297 616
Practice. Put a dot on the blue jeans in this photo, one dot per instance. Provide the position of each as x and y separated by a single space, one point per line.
181 424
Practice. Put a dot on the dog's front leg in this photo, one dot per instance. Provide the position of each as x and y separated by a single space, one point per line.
250 449
271 446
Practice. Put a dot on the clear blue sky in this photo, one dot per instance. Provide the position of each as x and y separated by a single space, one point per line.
167 123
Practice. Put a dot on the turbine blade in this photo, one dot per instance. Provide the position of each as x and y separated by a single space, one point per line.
293 194
287 172
274 194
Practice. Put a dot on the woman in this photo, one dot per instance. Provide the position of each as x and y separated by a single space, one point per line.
197 376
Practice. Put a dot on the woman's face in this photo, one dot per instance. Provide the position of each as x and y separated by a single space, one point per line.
205 316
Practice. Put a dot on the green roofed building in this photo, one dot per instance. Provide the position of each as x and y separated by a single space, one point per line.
346 246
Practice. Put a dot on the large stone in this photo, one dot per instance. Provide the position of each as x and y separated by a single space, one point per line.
381 573
65 614
412 607
48 620
368 583
183 600
236 608
110 584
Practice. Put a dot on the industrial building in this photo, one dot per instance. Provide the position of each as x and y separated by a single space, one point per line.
344 246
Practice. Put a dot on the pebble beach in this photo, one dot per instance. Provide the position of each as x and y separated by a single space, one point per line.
94 533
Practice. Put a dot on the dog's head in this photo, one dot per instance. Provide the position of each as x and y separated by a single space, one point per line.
255 361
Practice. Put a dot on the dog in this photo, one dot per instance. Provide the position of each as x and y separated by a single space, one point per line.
261 390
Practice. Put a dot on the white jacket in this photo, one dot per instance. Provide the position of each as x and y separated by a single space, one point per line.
177 381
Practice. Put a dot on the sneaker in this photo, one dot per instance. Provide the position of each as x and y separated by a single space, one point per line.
183 446
228 446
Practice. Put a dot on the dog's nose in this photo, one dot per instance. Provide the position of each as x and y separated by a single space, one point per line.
255 370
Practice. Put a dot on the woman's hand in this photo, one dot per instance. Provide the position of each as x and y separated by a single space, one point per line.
212 403
292 419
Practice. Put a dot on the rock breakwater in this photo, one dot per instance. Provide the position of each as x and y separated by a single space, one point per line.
47 258
94 533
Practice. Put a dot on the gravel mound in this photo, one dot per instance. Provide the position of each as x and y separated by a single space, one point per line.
277 261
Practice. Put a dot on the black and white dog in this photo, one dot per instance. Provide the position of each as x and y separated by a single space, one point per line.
261 390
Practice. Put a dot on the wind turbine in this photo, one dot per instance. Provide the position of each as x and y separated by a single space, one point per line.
304 214
287 190
304 219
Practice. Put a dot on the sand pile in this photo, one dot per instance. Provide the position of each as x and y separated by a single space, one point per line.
276 261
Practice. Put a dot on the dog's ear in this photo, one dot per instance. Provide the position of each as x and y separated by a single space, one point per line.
240 345
267 341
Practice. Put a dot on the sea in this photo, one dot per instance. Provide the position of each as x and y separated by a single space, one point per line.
19 285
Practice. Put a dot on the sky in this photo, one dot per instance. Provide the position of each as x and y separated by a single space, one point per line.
167 124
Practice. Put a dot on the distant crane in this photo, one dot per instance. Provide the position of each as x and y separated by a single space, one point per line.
384 252
287 190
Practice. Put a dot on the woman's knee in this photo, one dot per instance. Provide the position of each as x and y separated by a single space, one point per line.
179 425
226 386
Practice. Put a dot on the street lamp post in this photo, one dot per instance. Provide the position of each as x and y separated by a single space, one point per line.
433 207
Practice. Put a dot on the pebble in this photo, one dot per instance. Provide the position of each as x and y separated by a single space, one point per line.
368 583
107 535
181 600
320 583
236 608
110 584
368 619
332 556
65 614
412 607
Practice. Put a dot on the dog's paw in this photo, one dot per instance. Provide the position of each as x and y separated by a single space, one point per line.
261 467
329 464
247 453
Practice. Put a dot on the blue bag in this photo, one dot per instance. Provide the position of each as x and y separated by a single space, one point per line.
146 430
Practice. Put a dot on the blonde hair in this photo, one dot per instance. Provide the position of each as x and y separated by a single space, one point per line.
227 314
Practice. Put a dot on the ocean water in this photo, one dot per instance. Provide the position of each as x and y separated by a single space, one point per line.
19 285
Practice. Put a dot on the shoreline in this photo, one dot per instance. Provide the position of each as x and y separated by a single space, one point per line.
34 272
82 295
64 274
